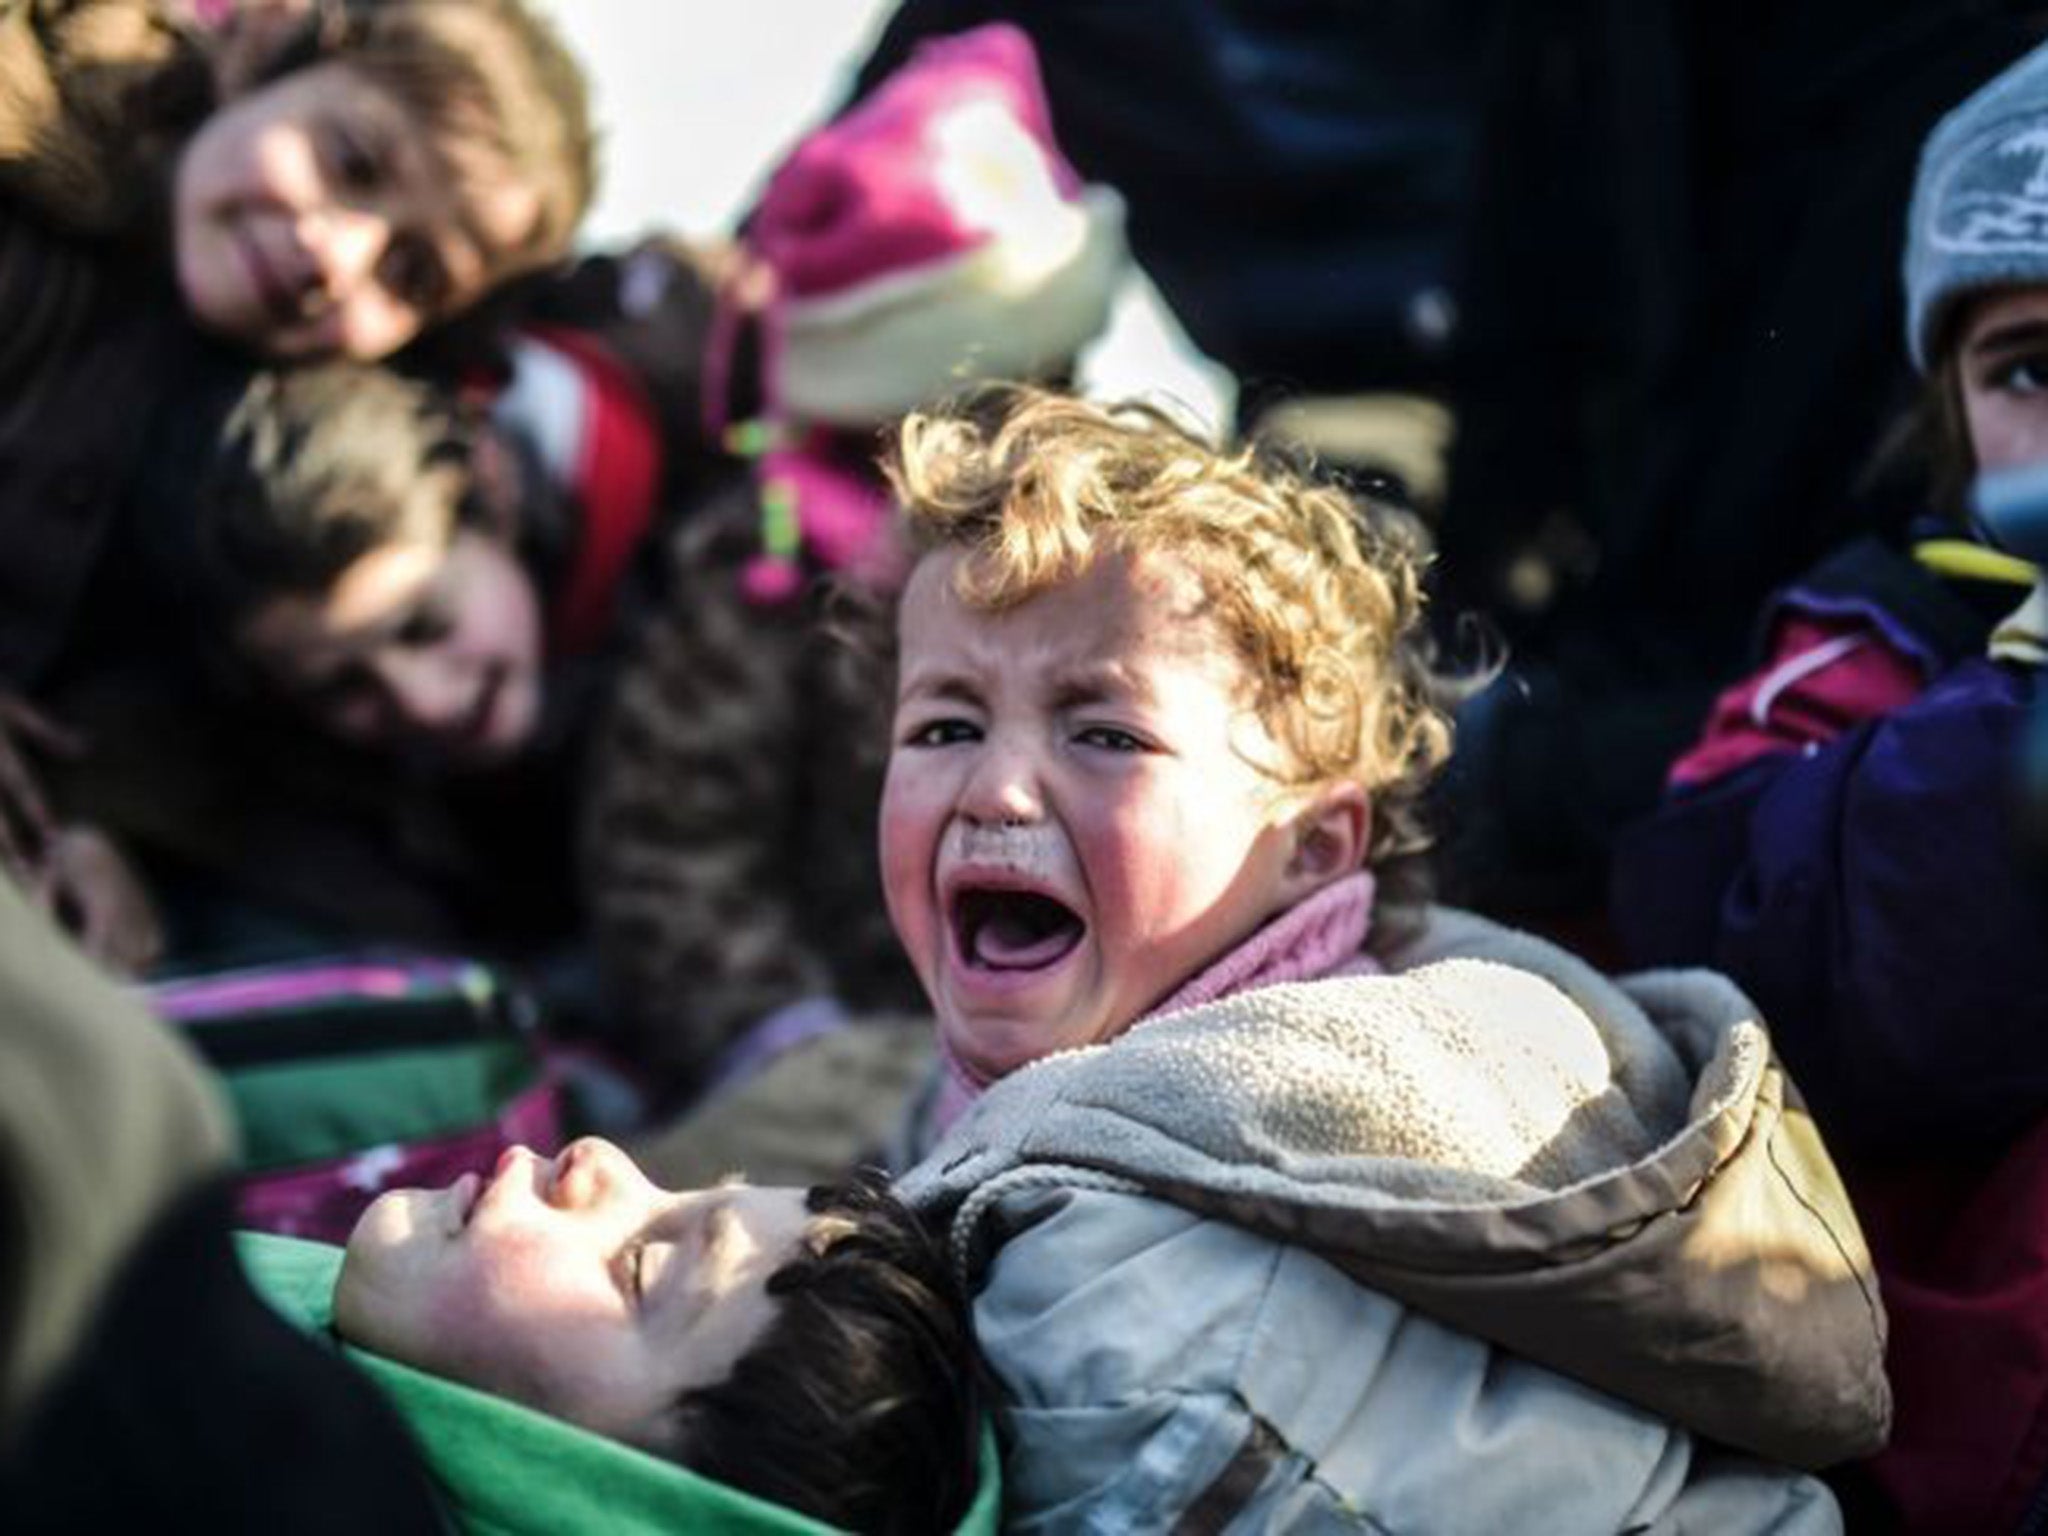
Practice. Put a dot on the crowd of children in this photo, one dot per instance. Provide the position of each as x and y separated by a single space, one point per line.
1005 813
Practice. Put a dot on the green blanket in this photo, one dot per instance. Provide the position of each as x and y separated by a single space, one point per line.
507 1470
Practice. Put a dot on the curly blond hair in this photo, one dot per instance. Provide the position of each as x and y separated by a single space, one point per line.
1318 591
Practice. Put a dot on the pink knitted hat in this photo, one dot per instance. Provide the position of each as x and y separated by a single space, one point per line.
933 234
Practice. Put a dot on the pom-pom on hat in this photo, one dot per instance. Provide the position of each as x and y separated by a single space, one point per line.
933 234
1979 216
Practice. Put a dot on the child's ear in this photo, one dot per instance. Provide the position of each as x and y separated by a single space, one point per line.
1330 834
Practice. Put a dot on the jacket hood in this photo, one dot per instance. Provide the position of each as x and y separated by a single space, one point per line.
1610 1178
506 1470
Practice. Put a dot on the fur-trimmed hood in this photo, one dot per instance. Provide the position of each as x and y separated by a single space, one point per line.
1613 1179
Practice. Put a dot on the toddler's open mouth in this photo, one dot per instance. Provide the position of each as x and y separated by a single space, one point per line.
1013 930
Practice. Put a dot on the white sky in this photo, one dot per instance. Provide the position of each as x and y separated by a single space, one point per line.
697 99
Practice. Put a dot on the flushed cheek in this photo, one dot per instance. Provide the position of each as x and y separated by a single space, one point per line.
2005 432
482 1311
908 852
1137 863
1156 911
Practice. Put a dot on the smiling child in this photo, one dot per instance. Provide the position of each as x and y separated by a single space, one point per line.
428 151
370 176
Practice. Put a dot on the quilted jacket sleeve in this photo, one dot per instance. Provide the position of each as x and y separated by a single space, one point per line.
1162 1372
1873 895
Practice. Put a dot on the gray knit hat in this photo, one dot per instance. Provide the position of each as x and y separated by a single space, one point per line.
1980 205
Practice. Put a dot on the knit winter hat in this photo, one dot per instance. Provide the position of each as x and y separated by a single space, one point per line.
1980 205
932 234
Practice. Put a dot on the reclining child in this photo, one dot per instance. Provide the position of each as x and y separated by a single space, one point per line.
1284 1202
803 1356
809 1348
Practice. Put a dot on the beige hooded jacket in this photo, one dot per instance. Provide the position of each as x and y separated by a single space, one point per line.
1612 1180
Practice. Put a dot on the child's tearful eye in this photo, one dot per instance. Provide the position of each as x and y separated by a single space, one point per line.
941 733
1111 739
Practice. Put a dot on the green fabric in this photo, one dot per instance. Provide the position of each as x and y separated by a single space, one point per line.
303 1112
509 1471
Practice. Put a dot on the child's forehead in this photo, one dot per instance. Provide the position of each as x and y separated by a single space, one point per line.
1161 582
1107 622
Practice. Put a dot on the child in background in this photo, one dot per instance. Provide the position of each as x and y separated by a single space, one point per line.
1460 1247
727 859
411 574
389 164
1845 842
248 831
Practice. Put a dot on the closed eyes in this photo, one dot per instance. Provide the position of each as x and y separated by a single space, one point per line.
647 1261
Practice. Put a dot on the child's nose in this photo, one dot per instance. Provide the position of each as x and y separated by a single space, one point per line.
581 1178
1002 789
343 245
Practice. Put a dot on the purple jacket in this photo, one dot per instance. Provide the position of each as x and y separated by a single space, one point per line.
1870 891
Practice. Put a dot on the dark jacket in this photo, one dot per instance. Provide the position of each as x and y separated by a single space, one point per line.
1866 883
91 342
1845 843
94 332
1678 349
